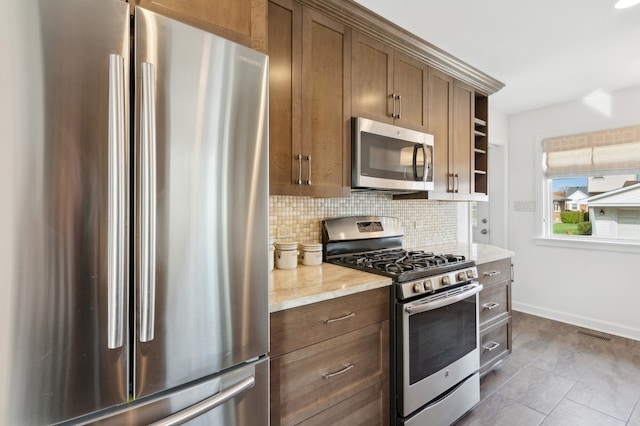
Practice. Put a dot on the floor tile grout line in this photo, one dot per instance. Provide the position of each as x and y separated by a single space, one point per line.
542 338
601 412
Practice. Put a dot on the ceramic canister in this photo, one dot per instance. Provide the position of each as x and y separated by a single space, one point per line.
311 254
286 255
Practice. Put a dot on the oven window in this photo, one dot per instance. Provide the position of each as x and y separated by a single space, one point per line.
389 158
440 337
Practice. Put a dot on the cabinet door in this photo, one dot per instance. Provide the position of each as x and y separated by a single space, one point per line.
326 106
285 63
243 21
495 344
310 380
440 103
372 79
411 78
369 407
463 100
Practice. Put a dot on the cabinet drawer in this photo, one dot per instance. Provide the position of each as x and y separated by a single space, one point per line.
495 344
310 380
494 302
494 272
297 328
367 408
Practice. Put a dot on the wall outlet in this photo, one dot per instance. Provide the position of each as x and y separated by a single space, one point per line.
284 232
419 224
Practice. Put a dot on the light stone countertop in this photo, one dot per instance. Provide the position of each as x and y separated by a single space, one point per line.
290 288
481 253
304 285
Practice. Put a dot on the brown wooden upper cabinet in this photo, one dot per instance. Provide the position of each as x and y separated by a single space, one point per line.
450 112
460 153
243 21
388 85
309 102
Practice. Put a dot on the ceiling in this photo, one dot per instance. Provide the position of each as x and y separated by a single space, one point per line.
544 51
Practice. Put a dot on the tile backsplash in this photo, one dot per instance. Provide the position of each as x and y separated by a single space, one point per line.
437 220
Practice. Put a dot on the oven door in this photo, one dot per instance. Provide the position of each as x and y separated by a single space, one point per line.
440 345
391 158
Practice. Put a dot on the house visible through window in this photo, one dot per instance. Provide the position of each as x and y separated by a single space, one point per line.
593 184
604 206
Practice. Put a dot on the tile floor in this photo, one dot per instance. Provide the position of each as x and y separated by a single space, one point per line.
557 376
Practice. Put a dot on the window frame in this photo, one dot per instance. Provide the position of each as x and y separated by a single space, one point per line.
544 218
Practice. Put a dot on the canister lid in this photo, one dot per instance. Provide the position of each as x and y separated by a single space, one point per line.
286 245
311 246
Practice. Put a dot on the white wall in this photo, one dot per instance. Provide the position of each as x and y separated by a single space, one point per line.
498 178
591 288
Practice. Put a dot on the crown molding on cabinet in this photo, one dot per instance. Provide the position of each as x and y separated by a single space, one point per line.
375 26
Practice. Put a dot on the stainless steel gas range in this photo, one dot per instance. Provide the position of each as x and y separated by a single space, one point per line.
435 352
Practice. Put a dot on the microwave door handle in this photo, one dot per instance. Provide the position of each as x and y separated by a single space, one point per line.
427 164
415 163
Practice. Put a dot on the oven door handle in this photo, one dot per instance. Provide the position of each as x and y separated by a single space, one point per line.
426 305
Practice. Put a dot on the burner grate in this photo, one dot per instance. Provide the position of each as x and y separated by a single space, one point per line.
397 262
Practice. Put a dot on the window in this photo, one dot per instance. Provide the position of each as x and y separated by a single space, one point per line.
593 185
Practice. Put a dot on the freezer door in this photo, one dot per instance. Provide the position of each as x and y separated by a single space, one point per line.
201 205
63 215
239 397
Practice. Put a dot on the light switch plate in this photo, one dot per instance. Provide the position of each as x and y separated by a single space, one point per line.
525 206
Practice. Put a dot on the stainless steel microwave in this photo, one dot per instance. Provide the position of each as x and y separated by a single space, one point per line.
390 158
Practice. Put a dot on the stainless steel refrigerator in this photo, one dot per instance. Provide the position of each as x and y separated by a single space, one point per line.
134 219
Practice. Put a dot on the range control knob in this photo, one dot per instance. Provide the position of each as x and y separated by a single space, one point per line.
446 280
470 274
428 285
462 276
418 288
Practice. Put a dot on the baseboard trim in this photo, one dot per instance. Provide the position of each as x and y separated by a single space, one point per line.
580 321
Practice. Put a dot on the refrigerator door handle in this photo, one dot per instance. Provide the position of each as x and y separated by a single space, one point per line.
208 404
147 203
116 203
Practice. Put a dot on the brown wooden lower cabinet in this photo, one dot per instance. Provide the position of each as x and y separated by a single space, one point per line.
369 407
337 379
495 313
495 344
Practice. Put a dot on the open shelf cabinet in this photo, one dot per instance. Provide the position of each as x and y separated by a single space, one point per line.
481 145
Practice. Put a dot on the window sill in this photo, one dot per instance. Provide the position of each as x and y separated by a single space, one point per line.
589 243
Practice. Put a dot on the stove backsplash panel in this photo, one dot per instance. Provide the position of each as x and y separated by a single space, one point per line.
302 216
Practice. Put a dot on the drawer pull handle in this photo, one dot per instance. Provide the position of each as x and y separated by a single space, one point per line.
491 305
346 368
491 273
491 346
349 315
299 158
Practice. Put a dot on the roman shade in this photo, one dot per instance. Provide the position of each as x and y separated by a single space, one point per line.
593 154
